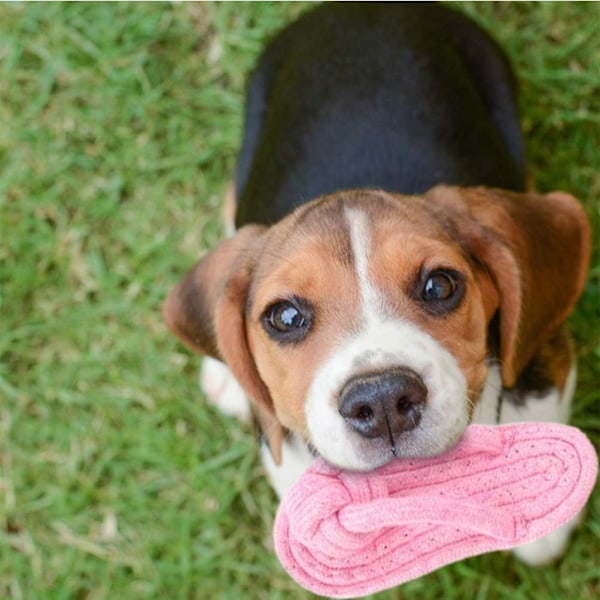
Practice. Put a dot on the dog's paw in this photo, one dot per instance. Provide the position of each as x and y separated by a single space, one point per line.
549 548
223 391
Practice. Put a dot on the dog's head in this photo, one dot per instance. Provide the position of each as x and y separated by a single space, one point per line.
363 320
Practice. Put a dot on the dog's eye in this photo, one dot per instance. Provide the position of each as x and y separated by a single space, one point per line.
441 290
287 321
285 317
439 286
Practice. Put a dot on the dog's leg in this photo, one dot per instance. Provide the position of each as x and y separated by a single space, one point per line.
554 407
295 459
223 391
549 548
216 380
229 206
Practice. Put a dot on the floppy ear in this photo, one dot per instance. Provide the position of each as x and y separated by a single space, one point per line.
206 311
535 249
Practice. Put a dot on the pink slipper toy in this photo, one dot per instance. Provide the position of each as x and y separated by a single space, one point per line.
343 534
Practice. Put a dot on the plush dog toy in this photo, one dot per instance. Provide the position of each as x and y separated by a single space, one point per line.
345 534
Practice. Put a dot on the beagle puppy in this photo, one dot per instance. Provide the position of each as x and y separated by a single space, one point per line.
391 279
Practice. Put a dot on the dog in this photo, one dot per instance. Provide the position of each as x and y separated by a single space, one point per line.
392 277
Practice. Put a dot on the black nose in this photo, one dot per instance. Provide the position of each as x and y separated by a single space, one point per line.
383 404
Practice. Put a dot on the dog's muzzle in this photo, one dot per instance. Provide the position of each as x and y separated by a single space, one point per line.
383 405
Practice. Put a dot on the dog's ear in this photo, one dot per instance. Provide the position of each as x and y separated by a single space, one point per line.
207 312
534 248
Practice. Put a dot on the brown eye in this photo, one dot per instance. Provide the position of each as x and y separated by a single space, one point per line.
439 286
440 291
285 317
288 321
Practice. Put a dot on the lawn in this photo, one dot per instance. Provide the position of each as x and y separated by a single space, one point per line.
119 130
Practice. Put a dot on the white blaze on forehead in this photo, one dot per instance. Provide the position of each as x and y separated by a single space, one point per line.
360 241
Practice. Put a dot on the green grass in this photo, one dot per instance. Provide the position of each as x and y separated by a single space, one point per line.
119 129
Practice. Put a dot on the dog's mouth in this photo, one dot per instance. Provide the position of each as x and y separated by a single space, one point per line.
377 430
369 455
